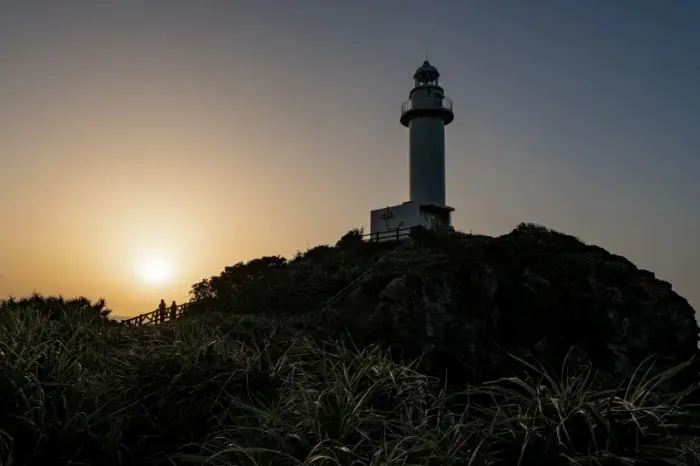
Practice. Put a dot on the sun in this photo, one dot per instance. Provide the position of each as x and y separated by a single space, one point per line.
154 270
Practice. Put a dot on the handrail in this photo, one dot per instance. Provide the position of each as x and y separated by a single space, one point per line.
158 316
444 103
394 233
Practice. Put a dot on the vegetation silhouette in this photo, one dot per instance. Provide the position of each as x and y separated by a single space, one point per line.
57 307
529 348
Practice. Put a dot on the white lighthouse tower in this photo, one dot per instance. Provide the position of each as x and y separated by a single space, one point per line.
426 113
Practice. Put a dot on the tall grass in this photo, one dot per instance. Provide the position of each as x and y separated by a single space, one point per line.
88 392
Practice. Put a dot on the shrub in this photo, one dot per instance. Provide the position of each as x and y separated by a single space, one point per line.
57 307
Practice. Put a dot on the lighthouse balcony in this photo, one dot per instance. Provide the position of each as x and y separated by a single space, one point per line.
436 106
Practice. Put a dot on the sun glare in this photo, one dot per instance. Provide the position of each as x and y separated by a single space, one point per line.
154 270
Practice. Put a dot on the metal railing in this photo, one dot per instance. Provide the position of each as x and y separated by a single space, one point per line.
427 102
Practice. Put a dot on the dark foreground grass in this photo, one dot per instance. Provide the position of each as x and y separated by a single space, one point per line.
85 392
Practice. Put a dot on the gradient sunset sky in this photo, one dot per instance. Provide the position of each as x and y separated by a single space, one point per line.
211 132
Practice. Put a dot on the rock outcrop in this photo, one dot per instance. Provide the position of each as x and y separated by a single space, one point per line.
533 291
464 301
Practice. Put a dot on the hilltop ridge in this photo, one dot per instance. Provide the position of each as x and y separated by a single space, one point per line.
460 297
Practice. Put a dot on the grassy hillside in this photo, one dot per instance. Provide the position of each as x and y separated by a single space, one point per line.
268 375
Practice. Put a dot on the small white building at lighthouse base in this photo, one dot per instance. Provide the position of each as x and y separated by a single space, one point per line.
395 222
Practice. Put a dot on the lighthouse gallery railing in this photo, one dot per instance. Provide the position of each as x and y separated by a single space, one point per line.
439 102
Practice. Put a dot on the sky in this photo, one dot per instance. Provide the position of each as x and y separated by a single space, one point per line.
208 132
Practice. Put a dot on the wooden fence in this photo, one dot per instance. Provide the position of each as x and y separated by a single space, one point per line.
157 316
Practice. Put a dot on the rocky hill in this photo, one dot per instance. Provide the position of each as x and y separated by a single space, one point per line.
464 301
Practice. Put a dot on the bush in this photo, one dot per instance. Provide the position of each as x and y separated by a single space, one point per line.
352 239
56 307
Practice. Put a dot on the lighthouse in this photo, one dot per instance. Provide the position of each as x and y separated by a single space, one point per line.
426 113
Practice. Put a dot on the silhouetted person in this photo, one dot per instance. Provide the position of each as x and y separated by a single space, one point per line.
162 307
173 311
